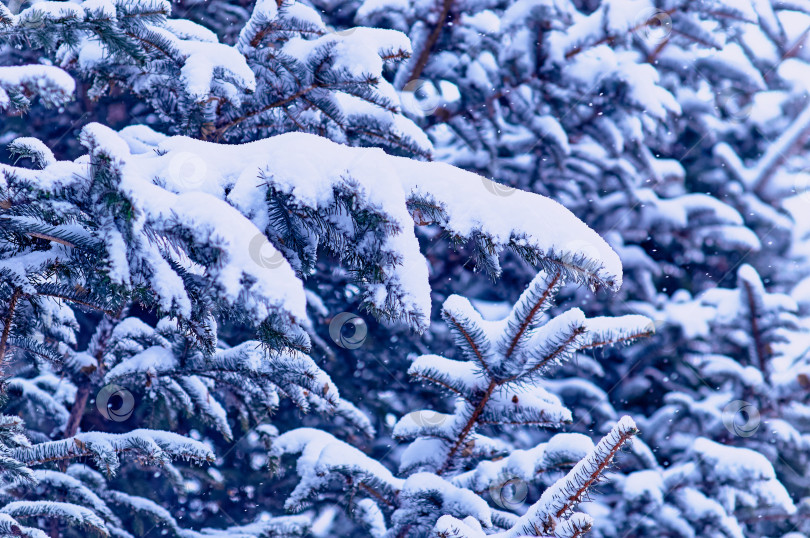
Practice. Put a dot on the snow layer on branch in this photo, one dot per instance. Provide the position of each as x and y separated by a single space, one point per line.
617 330
153 361
358 52
203 59
743 469
42 399
52 11
562 449
74 514
466 377
204 63
51 83
33 148
264 11
646 484
78 490
466 206
733 463
208 218
542 224
455 500
561 497
157 446
450 526
10 527
185 29
322 454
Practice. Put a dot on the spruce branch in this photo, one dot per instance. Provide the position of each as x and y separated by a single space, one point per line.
222 129
468 427
7 321
610 39
563 496
424 54
749 290
528 318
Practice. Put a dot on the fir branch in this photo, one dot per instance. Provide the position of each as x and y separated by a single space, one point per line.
427 47
462 437
7 321
221 130
529 317
759 347
562 497
610 39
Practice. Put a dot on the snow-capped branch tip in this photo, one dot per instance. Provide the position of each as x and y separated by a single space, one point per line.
527 312
158 447
72 514
563 496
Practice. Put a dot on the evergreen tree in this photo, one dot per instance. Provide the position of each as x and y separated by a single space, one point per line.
128 227
450 462
156 277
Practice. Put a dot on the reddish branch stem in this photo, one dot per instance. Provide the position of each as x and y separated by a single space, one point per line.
77 410
759 346
424 54
528 319
575 498
469 426
611 38
300 93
